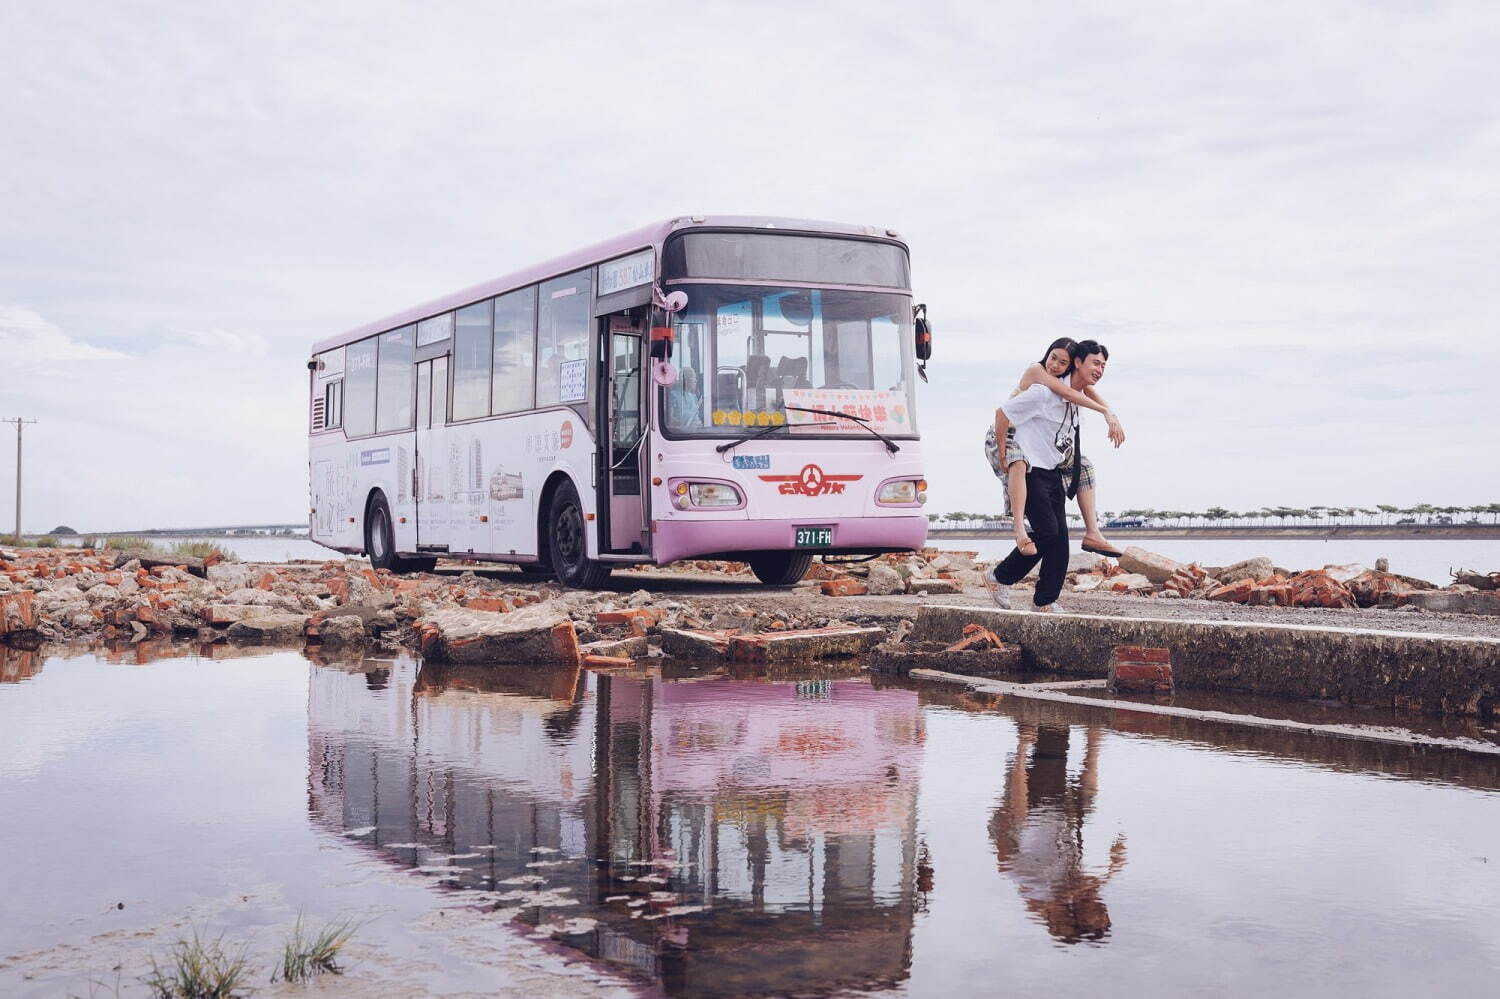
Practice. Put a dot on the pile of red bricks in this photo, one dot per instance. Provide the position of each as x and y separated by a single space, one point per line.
1316 588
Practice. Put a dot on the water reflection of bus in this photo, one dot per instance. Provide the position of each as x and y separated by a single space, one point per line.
779 817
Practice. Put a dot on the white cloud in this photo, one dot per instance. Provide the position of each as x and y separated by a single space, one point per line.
26 340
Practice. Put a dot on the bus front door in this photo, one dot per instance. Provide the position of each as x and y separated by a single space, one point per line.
622 498
432 484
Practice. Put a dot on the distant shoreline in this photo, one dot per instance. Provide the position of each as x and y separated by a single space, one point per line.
1424 532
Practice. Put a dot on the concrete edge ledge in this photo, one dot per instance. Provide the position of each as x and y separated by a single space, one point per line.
1227 625
1394 737
1440 674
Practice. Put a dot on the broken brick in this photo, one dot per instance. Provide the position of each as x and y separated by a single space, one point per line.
565 643
845 587
1237 592
608 662
976 636
1142 654
498 604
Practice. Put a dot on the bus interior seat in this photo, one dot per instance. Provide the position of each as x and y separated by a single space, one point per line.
791 372
757 371
727 393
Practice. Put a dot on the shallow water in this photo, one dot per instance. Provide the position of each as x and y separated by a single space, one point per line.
733 835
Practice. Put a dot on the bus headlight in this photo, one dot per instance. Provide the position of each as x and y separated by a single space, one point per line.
902 492
705 494
713 494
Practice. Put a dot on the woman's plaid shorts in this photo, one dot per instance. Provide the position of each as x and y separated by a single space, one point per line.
1013 454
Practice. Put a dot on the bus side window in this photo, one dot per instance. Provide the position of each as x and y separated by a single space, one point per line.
563 322
333 405
471 362
359 388
515 351
396 380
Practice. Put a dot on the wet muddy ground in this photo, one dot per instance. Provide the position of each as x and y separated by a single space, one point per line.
813 831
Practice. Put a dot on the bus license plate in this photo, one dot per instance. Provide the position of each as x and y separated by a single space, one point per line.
814 537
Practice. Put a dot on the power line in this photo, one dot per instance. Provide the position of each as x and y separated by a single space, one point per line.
20 425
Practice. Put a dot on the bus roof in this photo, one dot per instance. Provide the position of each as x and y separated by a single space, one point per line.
650 235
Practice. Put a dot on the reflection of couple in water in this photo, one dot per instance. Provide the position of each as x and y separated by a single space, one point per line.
1038 833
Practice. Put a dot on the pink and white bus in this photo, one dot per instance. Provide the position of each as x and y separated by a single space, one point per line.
706 387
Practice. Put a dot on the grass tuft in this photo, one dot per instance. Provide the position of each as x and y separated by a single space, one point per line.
307 954
198 969
128 543
46 541
201 549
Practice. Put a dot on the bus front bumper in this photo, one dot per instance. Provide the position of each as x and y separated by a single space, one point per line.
674 540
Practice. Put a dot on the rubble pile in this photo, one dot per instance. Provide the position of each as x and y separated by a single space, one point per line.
59 594
927 571
1258 583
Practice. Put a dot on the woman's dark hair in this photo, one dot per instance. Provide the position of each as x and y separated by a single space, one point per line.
1065 342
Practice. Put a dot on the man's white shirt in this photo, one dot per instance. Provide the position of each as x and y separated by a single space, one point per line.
1037 415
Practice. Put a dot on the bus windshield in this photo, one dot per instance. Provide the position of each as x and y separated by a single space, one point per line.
764 356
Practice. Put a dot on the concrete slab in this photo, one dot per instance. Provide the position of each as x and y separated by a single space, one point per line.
539 634
903 659
770 646
1478 602
270 628
1436 673
803 646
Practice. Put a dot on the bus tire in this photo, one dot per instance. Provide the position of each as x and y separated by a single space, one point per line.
380 541
567 542
780 568
380 535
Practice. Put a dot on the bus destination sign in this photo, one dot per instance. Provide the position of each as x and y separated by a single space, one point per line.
627 272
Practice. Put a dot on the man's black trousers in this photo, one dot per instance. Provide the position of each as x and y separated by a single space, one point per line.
1045 510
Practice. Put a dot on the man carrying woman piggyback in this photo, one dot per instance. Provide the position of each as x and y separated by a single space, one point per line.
1043 465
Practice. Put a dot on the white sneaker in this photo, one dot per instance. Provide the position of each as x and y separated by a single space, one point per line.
1051 608
1001 595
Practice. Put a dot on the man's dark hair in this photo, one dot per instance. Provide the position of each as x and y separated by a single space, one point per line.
1084 348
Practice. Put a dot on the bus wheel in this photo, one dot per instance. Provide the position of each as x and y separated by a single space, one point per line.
380 542
780 568
380 536
567 543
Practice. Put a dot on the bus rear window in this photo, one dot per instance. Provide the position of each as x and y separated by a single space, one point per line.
756 256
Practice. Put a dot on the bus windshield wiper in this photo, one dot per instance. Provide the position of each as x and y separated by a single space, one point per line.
891 446
749 437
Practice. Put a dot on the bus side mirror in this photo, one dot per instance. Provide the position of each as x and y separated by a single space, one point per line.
924 338
661 336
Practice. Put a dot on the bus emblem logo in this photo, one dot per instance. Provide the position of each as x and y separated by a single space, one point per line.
811 481
566 434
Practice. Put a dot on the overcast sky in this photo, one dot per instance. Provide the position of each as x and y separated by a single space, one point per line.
1282 218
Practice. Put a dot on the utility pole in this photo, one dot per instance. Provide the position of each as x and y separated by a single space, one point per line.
20 424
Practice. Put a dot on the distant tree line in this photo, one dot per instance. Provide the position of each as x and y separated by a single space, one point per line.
1277 516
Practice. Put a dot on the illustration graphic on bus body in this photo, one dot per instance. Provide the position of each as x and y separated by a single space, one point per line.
706 387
